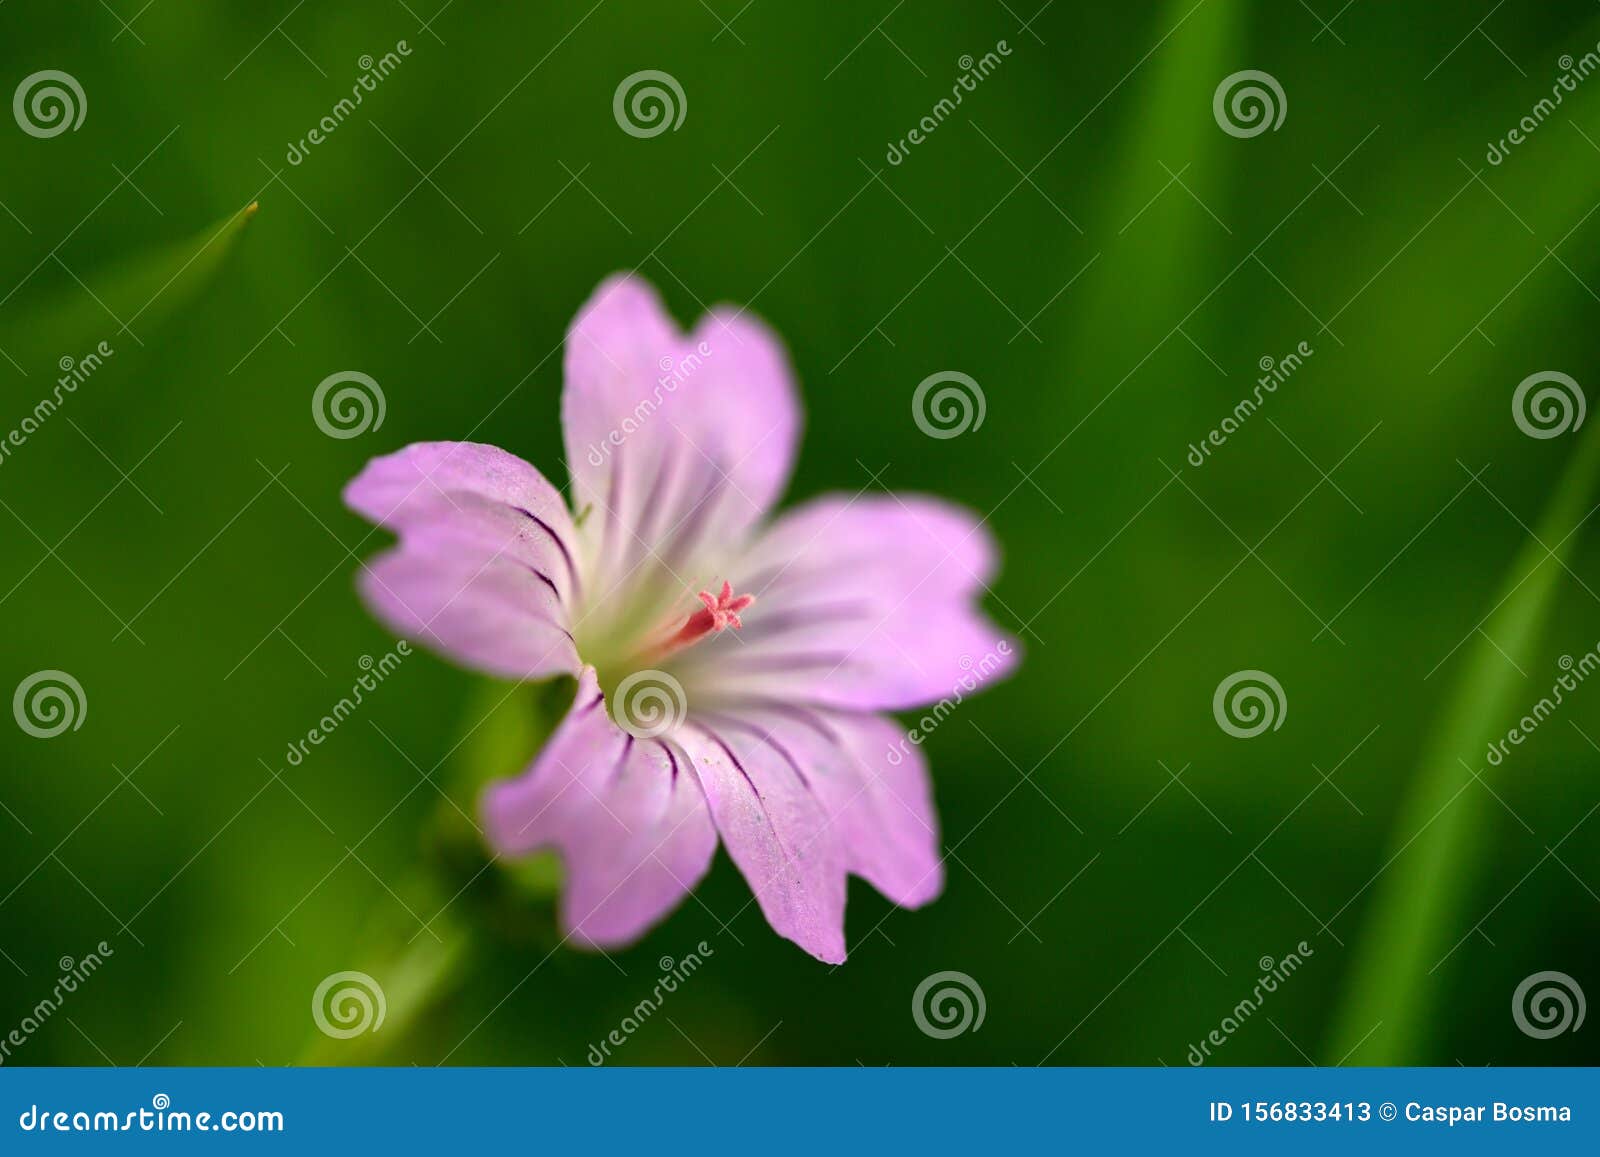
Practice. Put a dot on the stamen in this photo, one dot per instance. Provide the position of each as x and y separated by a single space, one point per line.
717 613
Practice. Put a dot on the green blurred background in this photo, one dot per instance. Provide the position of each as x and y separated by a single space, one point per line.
1083 239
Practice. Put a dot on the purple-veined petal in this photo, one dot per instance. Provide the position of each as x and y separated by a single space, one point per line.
490 612
864 604
629 819
678 444
476 495
777 832
873 785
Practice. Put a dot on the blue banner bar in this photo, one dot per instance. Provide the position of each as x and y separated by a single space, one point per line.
804 1111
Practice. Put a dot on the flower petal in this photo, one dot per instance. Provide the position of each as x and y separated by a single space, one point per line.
477 493
493 614
776 831
679 444
629 820
873 784
866 604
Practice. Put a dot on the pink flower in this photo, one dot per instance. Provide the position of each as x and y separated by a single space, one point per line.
748 662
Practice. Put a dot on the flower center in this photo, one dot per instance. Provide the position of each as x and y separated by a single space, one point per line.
717 613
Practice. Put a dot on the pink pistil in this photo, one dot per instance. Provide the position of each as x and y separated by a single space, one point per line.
717 613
